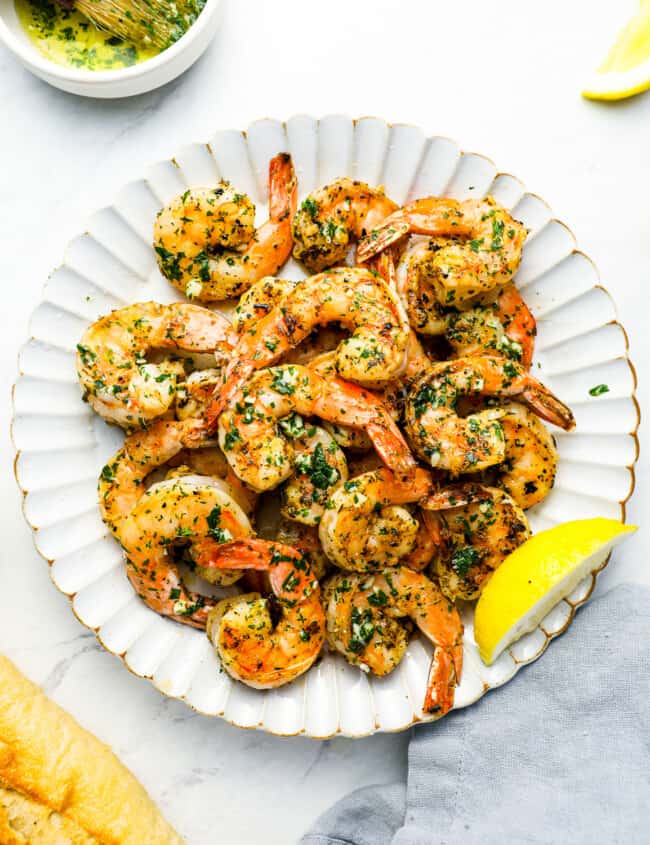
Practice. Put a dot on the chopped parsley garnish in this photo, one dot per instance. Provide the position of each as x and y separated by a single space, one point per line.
362 630
221 535
315 465
282 382
290 582
293 426
497 234
378 598
462 560
108 472
599 389
310 206
232 437
87 355
510 370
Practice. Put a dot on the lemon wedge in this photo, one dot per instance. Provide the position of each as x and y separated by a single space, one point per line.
536 576
626 70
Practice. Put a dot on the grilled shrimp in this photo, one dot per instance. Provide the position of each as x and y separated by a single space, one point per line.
476 528
119 383
193 511
363 610
505 328
319 466
122 479
528 470
211 461
334 217
413 274
261 298
269 293
252 647
206 241
476 249
364 526
363 303
473 443
263 458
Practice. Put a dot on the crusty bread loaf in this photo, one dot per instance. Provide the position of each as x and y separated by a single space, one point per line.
59 784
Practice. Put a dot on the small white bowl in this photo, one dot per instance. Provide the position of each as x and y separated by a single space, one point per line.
125 82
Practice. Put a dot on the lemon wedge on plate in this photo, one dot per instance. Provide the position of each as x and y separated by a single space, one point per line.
536 576
626 70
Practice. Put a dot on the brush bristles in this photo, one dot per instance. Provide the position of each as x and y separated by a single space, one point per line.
158 23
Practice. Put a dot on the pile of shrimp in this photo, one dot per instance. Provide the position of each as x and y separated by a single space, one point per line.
346 457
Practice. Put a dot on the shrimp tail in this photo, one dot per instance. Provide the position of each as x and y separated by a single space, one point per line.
239 554
433 526
520 324
236 375
392 448
282 188
290 574
384 265
547 406
389 233
444 675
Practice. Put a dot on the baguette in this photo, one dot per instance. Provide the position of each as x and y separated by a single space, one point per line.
60 785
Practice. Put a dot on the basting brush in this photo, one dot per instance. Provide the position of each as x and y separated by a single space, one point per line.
158 23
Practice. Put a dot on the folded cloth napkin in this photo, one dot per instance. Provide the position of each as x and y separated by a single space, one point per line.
558 755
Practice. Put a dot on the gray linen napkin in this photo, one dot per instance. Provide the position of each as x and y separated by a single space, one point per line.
558 755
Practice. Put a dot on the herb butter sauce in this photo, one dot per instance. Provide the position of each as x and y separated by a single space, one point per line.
68 38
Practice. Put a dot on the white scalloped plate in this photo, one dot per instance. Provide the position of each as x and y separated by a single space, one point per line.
62 445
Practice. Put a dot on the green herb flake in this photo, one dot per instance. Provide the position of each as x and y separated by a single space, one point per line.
599 389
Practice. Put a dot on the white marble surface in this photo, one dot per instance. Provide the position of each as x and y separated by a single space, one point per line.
501 78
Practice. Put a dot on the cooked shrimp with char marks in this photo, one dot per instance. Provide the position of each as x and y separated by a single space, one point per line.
269 293
365 526
473 443
333 218
505 328
268 642
206 241
119 383
476 528
363 613
374 352
413 275
531 458
193 512
255 303
263 457
123 477
476 249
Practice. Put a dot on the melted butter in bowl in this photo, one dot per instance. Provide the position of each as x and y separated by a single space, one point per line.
65 49
67 37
